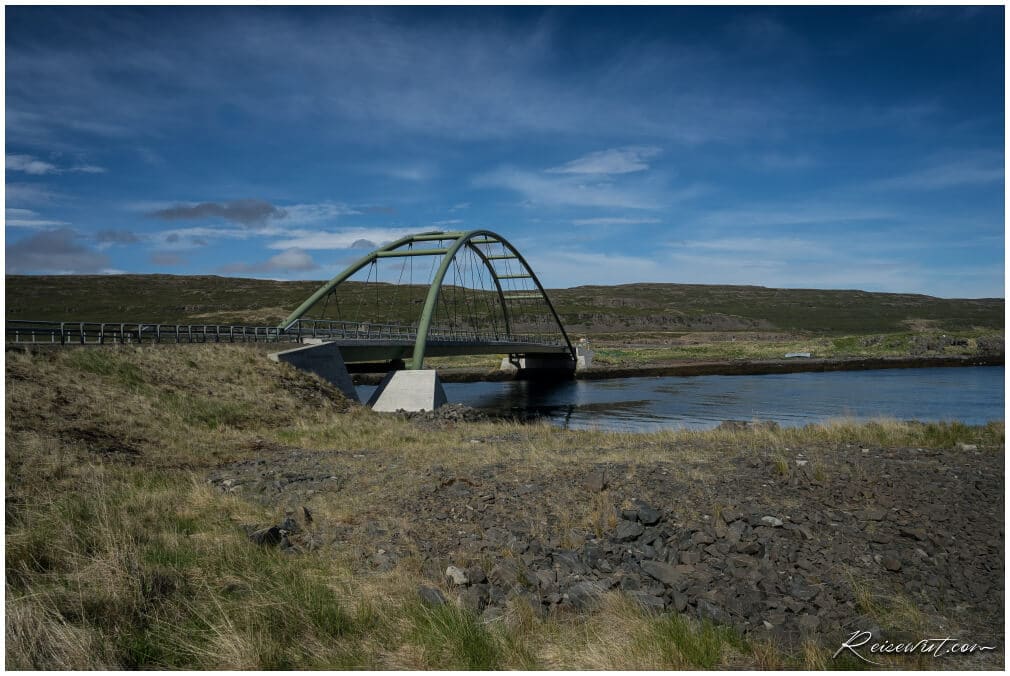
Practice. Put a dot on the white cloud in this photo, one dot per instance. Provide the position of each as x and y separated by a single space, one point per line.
30 165
310 214
614 161
29 193
26 218
417 172
292 260
570 190
35 167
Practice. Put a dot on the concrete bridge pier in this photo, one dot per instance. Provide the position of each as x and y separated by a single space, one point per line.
408 390
323 359
540 366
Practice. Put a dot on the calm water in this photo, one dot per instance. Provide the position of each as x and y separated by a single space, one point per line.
971 394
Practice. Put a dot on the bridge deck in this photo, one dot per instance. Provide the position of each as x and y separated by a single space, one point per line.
358 342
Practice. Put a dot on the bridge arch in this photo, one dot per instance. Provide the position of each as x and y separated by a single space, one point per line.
514 290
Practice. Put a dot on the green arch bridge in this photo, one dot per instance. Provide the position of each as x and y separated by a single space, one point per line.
455 293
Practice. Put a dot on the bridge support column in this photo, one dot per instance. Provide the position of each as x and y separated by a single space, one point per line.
323 359
410 390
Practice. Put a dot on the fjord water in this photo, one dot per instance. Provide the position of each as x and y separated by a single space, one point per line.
972 395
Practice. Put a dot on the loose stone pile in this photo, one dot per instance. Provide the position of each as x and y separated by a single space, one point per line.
769 545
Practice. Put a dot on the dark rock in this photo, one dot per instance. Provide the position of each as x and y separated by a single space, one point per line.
431 596
803 592
690 558
628 530
679 601
709 610
663 572
793 604
568 563
872 514
505 574
584 594
646 514
702 538
290 525
881 537
269 537
547 580
476 575
649 602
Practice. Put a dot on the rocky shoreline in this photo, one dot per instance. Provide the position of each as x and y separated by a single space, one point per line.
786 545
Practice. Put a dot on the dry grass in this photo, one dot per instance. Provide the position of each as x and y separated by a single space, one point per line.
119 555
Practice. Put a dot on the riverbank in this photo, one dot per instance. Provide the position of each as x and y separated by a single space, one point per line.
740 367
206 508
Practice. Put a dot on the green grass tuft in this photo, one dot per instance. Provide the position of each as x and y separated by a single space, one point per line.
453 638
685 643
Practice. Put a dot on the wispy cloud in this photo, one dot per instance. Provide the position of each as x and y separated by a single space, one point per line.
614 161
291 260
615 220
570 190
26 218
30 194
323 212
35 167
980 169
417 172
29 165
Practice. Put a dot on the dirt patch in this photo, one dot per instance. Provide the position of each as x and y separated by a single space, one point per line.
102 442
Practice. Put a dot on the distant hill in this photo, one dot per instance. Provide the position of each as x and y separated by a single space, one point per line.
584 309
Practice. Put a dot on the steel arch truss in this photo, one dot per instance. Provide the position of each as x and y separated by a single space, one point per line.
515 286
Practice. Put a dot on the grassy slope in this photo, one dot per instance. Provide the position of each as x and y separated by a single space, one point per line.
118 554
587 309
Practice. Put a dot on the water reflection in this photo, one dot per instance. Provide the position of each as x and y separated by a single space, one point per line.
974 395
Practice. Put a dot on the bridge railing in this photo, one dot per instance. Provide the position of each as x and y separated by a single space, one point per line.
102 333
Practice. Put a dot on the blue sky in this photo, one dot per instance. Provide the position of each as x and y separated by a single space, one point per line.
787 147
